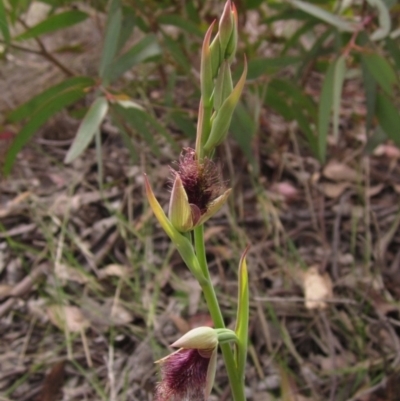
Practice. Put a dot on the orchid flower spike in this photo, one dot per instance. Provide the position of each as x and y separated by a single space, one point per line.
197 192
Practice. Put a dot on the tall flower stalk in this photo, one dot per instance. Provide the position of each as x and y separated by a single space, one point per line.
197 194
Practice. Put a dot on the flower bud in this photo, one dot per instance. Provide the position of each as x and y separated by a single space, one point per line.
223 85
228 31
204 337
222 118
180 212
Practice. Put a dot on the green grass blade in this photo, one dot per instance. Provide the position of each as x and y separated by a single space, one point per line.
54 23
88 127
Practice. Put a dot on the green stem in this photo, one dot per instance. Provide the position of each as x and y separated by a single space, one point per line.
236 383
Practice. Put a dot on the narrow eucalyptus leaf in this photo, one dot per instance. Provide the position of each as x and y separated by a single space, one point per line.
324 111
332 19
54 23
112 35
88 127
338 79
38 119
4 29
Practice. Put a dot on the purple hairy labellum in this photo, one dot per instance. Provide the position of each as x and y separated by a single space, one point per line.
197 192
184 375
188 374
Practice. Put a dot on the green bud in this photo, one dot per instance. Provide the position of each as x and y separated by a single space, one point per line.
226 29
202 338
180 212
232 44
223 85
206 78
222 118
215 51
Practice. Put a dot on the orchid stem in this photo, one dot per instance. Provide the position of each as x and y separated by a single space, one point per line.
236 383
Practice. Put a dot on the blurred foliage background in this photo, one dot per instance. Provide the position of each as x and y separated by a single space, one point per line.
155 44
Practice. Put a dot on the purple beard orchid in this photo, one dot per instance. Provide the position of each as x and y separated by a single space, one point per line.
197 192
188 374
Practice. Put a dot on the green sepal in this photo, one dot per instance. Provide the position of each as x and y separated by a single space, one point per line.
183 245
180 212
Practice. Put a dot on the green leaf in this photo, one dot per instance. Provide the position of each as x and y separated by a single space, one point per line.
113 29
305 127
145 49
250 4
393 47
388 117
127 26
184 123
242 318
177 54
180 22
303 29
127 142
40 101
381 70
384 20
298 98
88 127
315 51
54 23
338 79
325 16
243 129
144 125
258 67
58 102
324 111
274 100
4 23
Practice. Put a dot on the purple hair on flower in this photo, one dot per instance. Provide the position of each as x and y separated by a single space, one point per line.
188 374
